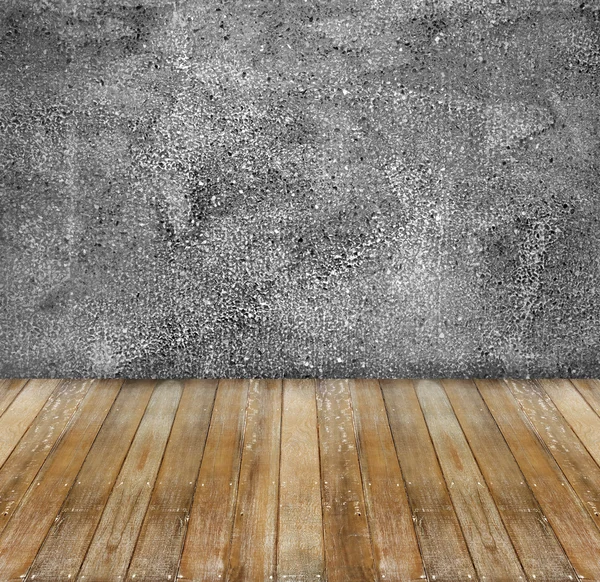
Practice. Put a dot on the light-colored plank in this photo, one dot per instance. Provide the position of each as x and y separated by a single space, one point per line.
25 532
539 551
253 540
22 466
443 547
9 390
572 457
491 549
83 507
393 536
113 543
158 550
20 414
300 556
348 551
211 517
572 524
590 390
577 412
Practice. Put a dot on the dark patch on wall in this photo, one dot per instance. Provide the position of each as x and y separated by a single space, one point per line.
299 189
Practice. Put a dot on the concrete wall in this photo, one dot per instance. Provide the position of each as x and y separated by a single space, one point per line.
299 188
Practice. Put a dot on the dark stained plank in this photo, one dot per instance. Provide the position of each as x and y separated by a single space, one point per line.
83 507
21 412
490 547
300 552
539 551
112 546
160 542
9 390
572 457
348 551
22 466
395 547
577 412
443 547
25 532
254 536
573 526
590 390
206 548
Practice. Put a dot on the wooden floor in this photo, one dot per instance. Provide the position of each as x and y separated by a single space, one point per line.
338 480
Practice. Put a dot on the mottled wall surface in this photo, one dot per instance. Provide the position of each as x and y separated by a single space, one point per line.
299 188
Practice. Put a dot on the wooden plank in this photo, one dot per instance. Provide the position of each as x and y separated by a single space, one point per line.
300 552
25 532
20 414
536 545
572 457
443 547
82 509
113 543
22 466
590 390
253 540
572 524
158 550
395 547
490 547
9 390
577 412
213 508
348 551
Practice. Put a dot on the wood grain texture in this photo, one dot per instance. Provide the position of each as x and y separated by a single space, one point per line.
9 390
254 535
160 542
590 390
25 532
81 511
206 549
573 526
490 547
112 546
443 547
348 551
578 466
300 552
539 551
29 455
21 412
395 547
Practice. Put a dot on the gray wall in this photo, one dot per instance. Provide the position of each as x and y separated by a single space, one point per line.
299 188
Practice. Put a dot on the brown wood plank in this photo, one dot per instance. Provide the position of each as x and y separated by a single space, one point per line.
112 546
572 457
22 466
9 390
206 548
590 390
21 413
491 549
83 507
254 536
573 526
25 532
395 546
348 551
158 550
443 547
300 552
577 412
539 551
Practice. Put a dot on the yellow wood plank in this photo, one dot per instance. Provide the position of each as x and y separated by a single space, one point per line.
9 390
590 390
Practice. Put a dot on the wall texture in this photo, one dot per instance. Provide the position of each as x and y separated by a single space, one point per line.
299 188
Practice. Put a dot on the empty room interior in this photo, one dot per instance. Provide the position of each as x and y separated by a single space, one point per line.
299 290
